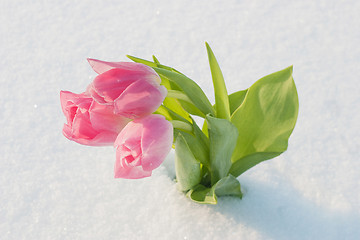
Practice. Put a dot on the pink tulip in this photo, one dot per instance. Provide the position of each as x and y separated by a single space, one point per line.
142 146
133 89
89 122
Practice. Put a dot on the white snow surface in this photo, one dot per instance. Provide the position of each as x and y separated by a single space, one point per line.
52 188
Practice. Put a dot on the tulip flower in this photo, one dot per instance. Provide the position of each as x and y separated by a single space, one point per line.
142 146
88 122
133 89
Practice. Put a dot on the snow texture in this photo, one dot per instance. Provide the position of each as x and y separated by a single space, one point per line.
51 188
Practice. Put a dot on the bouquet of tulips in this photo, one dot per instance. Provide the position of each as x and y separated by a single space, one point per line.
144 109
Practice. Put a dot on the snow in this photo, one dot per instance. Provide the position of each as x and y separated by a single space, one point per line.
51 188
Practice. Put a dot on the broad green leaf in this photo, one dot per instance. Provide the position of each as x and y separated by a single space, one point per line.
236 99
202 194
221 95
228 186
222 136
188 170
265 120
190 88
243 164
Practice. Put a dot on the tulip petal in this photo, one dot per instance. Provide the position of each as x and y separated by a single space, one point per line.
157 139
103 138
142 146
103 118
130 131
140 99
88 122
129 172
91 91
123 168
68 98
102 66
109 85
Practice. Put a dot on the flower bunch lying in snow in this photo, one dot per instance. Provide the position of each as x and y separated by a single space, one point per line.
144 108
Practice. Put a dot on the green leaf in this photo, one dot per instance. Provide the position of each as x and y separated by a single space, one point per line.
190 88
265 120
143 61
188 170
236 99
191 109
228 186
154 64
185 102
205 129
222 136
202 194
243 164
221 95
173 103
198 144
155 60
171 115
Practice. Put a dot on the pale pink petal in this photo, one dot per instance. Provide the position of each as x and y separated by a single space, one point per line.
109 85
80 120
140 99
65 96
81 126
125 169
83 133
126 172
103 138
132 130
102 66
103 118
157 139
67 132
68 98
142 146
72 103
128 147
92 93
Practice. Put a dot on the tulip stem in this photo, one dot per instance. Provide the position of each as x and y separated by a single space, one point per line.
182 125
178 95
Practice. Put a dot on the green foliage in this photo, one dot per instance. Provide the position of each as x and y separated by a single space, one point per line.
240 131
221 95
236 99
227 186
190 88
265 119
188 171
222 136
